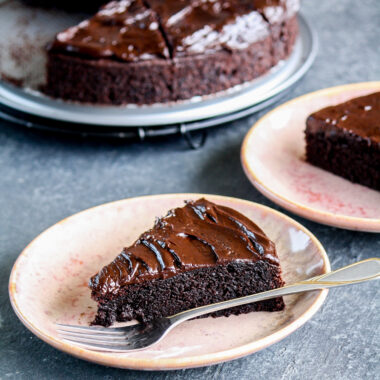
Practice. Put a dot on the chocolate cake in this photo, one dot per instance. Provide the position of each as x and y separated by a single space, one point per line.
155 51
345 139
199 254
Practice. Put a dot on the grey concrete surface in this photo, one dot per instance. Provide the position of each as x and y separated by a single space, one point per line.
44 178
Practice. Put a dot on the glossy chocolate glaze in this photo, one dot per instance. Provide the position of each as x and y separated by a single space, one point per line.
201 234
206 26
129 30
274 11
360 116
125 30
170 11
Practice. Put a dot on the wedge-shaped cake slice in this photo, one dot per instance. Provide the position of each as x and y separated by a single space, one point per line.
199 254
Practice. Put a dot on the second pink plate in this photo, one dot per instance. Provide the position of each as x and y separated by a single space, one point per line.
273 159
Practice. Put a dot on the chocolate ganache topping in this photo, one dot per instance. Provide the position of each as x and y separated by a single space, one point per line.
126 30
132 30
274 11
200 234
195 27
360 116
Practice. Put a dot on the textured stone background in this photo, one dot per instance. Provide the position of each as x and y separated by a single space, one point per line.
44 179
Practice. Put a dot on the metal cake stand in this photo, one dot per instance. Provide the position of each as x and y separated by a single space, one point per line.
32 109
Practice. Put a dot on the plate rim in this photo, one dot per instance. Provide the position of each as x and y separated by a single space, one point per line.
324 217
170 363
308 41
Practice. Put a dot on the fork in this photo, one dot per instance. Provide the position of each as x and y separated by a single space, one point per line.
140 336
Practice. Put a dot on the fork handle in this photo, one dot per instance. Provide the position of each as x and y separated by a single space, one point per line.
352 274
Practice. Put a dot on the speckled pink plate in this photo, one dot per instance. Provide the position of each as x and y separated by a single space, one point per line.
48 283
273 159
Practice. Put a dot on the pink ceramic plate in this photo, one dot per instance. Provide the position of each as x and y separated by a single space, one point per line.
273 159
48 283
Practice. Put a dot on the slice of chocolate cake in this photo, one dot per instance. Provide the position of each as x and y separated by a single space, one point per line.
196 255
157 51
345 139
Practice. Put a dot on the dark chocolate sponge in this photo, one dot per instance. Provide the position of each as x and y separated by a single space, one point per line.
345 140
196 255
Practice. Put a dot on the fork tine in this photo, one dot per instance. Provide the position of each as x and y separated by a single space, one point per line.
94 339
101 347
95 330
95 342
122 339
127 335
96 335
